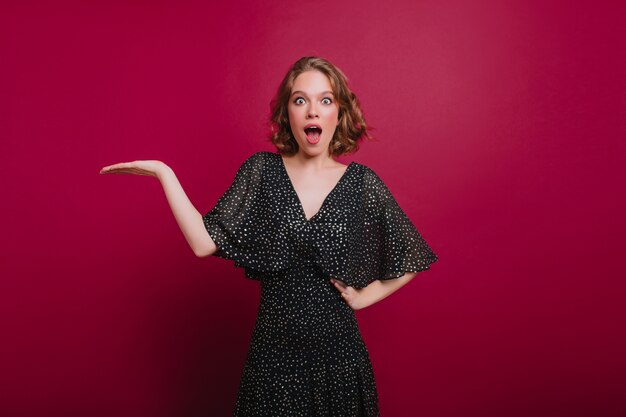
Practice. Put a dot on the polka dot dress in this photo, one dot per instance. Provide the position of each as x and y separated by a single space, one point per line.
306 356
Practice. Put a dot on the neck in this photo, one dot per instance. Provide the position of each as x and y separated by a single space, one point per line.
313 161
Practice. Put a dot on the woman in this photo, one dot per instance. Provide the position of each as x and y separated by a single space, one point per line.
324 239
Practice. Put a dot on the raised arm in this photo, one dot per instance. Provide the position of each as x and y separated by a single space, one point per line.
188 218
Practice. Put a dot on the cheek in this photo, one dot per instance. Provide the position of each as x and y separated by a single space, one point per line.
293 111
292 118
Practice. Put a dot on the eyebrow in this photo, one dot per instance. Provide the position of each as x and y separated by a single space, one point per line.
303 93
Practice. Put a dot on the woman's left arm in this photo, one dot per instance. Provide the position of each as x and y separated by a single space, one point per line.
373 293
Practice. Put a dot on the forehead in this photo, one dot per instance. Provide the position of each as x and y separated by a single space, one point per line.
313 82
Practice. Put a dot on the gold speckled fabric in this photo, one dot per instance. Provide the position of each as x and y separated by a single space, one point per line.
306 356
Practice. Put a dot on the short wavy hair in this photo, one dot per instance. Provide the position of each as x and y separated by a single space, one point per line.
351 128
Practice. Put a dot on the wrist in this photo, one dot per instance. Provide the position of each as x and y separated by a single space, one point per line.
368 294
163 170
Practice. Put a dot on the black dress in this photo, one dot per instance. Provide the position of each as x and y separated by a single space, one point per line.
306 356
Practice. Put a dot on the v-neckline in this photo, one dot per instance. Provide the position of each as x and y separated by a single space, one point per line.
295 193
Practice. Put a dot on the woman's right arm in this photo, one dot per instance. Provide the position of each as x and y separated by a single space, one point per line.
188 218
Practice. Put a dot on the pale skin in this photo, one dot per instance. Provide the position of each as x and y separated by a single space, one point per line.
312 170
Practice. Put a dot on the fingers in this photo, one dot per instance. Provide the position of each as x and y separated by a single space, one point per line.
348 294
352 296
147 168
336 281
122 167
338 284
345 290
127 168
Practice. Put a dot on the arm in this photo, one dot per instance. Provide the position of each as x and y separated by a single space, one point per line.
188 218
373 293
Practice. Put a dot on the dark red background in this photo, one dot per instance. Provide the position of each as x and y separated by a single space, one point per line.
501 133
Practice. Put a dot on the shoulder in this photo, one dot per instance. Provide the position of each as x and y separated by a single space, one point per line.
257 159
256 156
368 173
372 183
252 165
262 156
259 164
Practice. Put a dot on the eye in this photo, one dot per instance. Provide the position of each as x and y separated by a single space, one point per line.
329 100
296 100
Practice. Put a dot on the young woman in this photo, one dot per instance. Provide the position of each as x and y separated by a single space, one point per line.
324 239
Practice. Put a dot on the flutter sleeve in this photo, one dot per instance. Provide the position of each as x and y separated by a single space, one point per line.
226 222
243 226
390 243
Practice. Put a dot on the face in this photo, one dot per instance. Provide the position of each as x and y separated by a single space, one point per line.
313 103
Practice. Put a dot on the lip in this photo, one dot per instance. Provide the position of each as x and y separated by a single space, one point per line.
320 133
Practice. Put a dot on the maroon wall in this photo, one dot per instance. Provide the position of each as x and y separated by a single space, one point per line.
501 133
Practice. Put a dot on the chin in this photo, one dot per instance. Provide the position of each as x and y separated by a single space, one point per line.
316 149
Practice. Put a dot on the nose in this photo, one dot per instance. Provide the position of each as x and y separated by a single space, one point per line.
311 112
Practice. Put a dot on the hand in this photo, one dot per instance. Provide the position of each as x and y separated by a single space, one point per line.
352 296
147 168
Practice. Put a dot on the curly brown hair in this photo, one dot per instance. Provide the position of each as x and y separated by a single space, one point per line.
351 128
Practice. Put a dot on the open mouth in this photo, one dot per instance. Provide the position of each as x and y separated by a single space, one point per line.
313 134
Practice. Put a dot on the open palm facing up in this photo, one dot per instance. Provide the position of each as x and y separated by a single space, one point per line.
147 168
